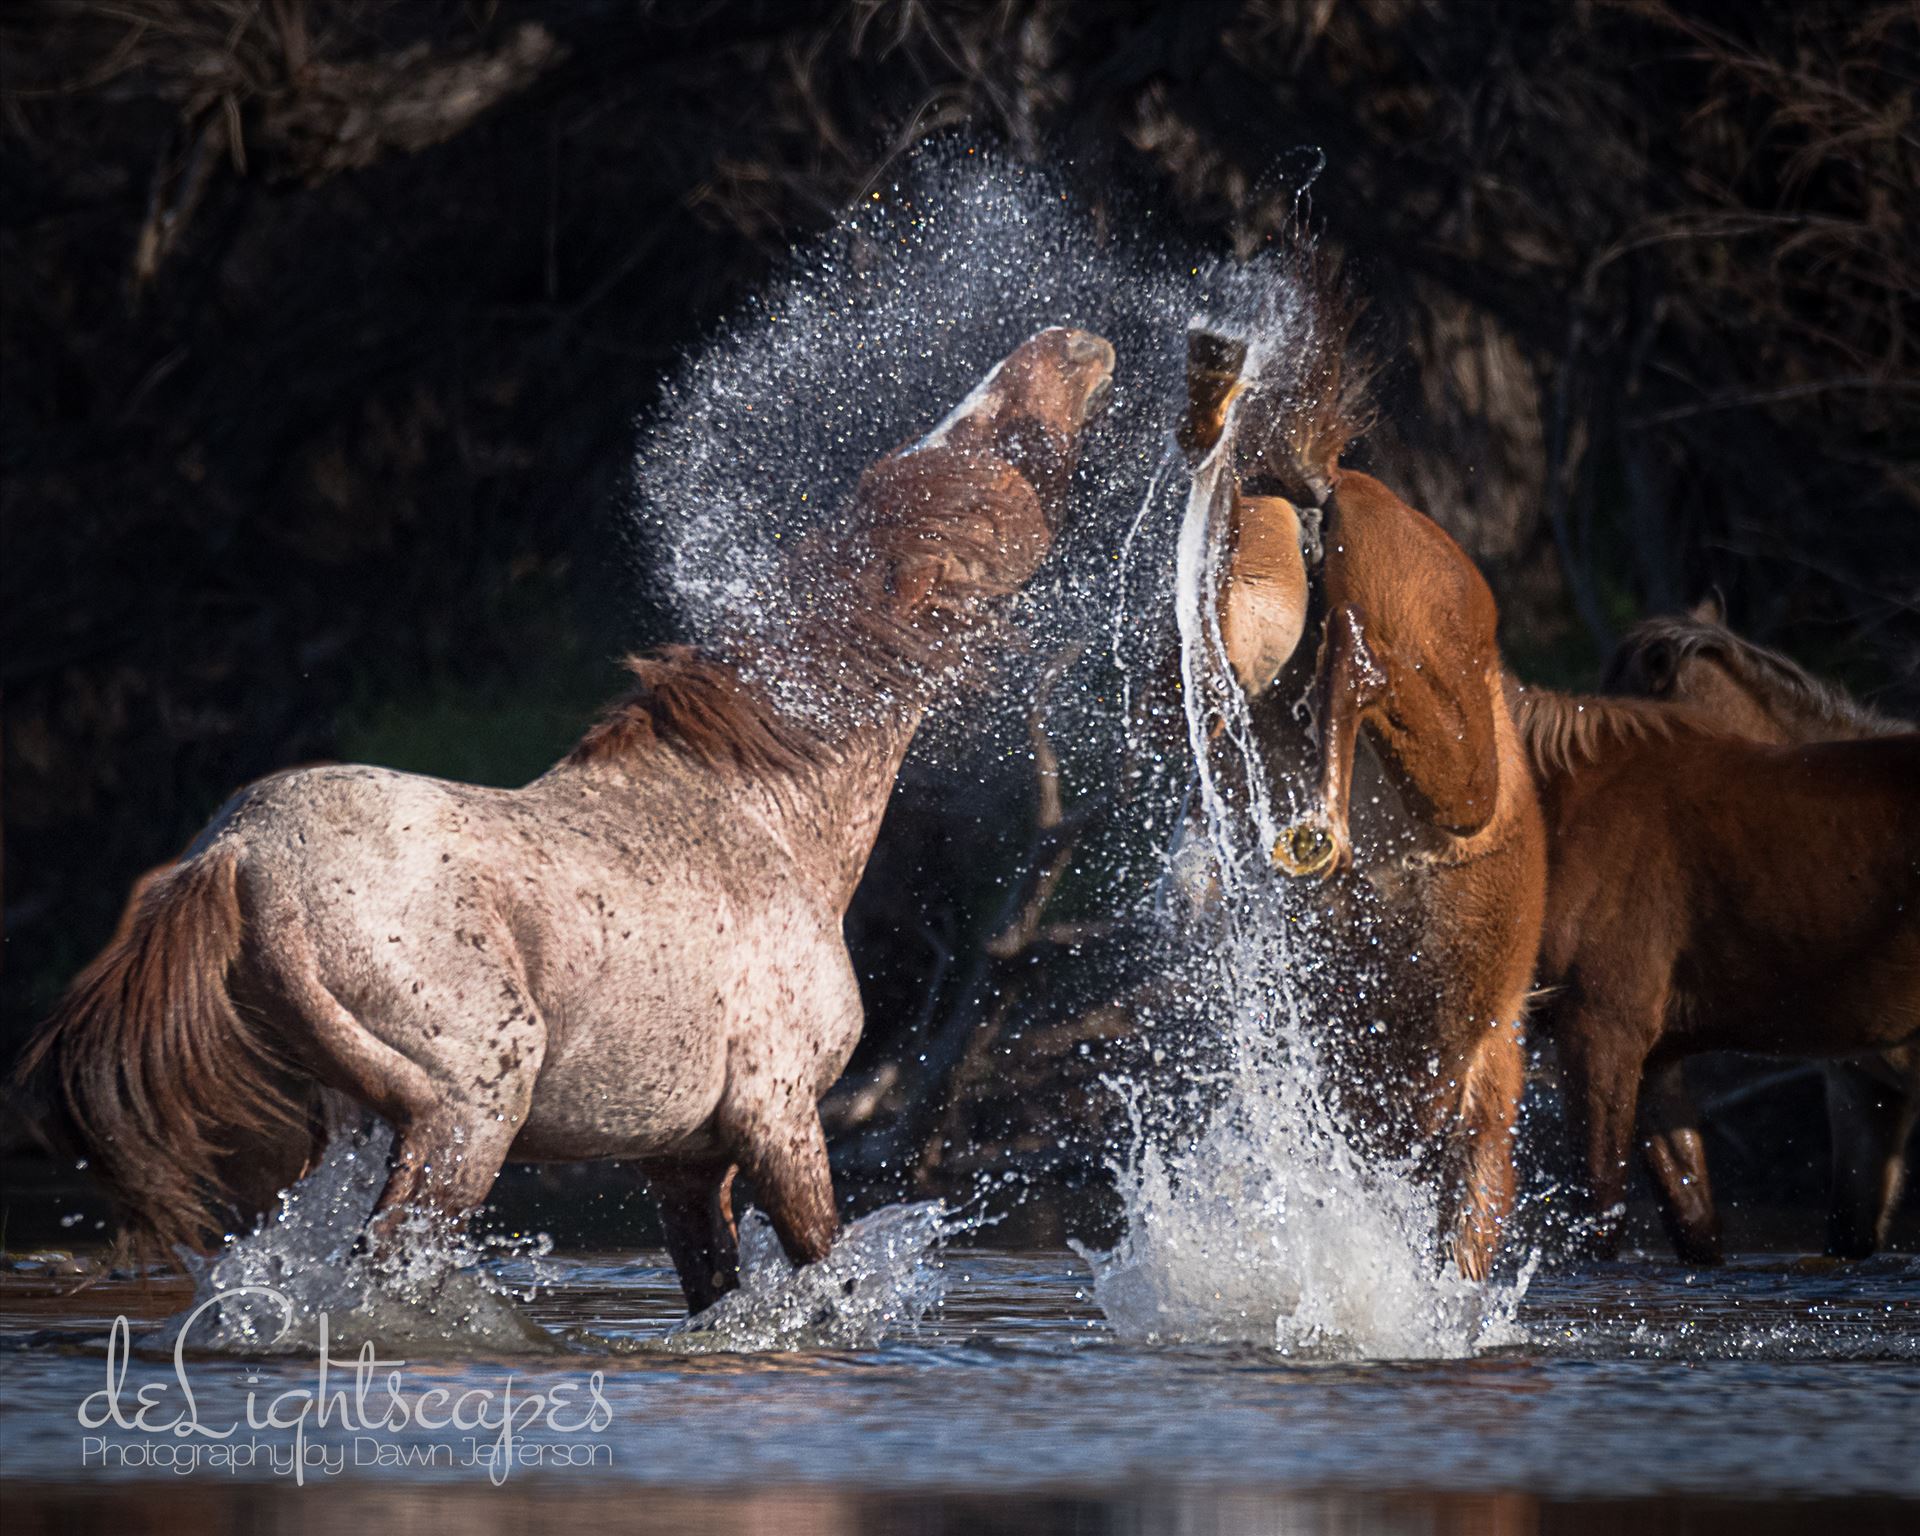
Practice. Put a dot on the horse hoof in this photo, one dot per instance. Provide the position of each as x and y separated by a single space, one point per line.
1304 850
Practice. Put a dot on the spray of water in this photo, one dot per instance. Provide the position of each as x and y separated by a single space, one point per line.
869 340
433 1291
440 1292
1267 1225
1248 1213
884 1275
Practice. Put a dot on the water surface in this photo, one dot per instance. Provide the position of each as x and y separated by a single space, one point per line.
1771 1393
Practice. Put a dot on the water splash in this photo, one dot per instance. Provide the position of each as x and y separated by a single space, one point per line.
1253 1217
1264 1222
882 1278
1122 619
1268 1225
1239 835
438 1292
435 1291
870 339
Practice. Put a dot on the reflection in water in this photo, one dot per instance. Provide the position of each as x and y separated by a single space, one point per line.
817 1512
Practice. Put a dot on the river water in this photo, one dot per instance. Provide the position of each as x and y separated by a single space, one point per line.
1772 1394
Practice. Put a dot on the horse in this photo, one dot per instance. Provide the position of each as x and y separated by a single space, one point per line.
1707 891
1435 881
637 956
1872 1101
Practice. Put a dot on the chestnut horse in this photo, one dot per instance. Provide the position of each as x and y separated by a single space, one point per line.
638 956
1435 879
1872 1101
1709 892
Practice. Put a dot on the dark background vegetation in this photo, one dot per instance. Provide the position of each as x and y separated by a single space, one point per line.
327 323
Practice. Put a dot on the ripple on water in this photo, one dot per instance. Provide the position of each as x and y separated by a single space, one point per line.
1636 1379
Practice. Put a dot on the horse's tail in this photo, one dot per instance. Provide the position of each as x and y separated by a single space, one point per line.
149 1068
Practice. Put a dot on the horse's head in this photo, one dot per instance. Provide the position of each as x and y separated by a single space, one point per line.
1696 661
967 512
1031 410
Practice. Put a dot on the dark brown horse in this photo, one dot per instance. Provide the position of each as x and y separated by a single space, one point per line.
1873 1101
1709 892
639 955
1433 879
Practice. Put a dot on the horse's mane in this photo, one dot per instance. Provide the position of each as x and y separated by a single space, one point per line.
700 705
1308 401
1562 732
1765 672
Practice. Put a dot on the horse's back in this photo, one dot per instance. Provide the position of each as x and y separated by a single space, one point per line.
343 799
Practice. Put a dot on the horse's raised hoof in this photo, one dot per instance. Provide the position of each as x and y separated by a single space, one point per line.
1305 850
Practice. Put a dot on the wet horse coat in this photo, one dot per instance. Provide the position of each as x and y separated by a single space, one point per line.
639 955
1873 1101
1447 862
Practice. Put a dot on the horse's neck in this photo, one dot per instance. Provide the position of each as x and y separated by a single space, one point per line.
822 801
1569 738
838 801
1840 719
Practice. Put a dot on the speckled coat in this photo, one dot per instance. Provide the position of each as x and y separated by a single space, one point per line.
639 955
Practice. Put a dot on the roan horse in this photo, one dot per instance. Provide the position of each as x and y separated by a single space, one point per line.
1710 892
639 955
1873 1101
1434 883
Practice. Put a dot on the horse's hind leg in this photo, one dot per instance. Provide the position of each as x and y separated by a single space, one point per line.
1869 1119
455 1109
696 1212
446 1156
1677 1161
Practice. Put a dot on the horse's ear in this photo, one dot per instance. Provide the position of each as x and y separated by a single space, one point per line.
913 582
1658 668
1711 609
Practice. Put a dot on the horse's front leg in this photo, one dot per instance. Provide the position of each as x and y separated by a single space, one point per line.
1349 685
696 1212
1870 1115
1603 1054
1677 1160
1480 1198
777 1136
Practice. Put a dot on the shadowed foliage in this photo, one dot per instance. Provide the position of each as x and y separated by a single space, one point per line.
326 323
